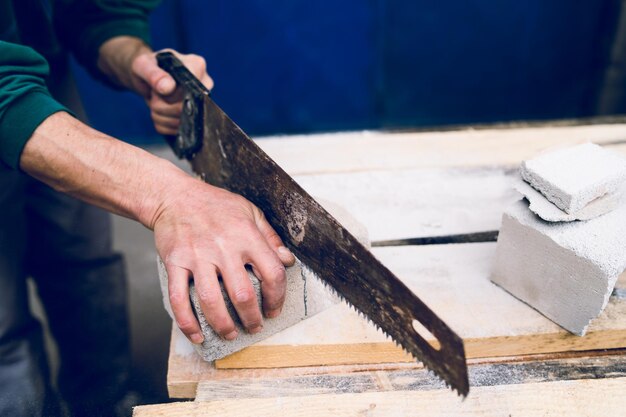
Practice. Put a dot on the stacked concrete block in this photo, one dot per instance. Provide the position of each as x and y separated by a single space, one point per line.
573 177
564 256
306 296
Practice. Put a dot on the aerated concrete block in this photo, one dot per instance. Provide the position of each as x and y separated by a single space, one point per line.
573 177
305 297
566 271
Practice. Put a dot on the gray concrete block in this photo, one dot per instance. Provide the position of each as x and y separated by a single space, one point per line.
306 296
573 177
566 271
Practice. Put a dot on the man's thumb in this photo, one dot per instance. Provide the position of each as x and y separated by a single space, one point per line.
165 85
146 68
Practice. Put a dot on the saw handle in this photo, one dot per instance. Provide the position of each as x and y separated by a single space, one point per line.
189 138
183 77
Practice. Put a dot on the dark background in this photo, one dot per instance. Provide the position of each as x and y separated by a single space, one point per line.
293 66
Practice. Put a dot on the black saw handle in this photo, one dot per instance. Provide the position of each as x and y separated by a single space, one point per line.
189 138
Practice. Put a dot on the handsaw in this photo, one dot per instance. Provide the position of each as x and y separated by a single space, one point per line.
224 156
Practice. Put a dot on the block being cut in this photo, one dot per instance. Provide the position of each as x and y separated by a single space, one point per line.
305 297
573 177
566 271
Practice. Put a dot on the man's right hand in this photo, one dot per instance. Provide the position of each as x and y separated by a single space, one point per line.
203 232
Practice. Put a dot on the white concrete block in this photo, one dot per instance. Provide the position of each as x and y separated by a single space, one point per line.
566 271
551 213
573 177
306 296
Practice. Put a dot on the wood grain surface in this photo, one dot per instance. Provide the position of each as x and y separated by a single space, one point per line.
468 147
589 397
531 369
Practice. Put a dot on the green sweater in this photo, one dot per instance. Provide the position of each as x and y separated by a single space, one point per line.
81 26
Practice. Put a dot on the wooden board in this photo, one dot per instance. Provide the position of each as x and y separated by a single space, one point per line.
187 372
589 397
187 369
396 204
371 151
537 368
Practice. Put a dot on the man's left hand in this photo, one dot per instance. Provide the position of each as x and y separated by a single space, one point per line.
130 63
160 91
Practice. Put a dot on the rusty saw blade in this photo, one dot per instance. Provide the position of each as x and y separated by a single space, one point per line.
223 155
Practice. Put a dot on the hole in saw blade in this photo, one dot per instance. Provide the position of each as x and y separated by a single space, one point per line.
426 335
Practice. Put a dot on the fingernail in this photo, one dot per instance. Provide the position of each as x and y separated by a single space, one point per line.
257 329
285 255
231 336
197 338
283 250
273 313
165 86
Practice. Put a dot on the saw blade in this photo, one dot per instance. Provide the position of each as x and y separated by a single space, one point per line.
228 158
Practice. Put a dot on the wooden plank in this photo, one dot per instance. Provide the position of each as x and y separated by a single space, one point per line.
454 281
400 204
369 151
185 373
283 356
480 374
588 397
186 369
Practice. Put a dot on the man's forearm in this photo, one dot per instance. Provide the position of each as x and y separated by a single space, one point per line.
76 159
200 230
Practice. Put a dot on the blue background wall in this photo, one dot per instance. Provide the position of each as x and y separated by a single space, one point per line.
288 66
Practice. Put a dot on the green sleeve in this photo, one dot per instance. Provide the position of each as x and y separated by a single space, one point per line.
24 99
84 25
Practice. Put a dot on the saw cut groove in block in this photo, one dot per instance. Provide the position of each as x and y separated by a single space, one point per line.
566 271
573 177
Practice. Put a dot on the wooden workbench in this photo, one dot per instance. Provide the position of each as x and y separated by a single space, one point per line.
404 185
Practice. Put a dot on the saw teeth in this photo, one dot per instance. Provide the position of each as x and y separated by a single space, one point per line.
398 344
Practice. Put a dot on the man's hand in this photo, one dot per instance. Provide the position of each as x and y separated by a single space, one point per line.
159 89
205 232
202 232
131 63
